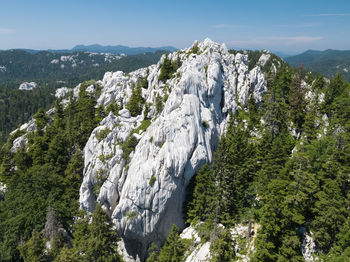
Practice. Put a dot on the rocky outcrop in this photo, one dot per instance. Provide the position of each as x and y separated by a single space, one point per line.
3 190
308 246
27 86
199 251
144 192
62 92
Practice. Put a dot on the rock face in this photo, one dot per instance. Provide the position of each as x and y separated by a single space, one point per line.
61 92
144 192
2 191
200 252
308 247
27 86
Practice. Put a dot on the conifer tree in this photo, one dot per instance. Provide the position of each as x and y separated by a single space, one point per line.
203 203
223 248
136 101
33 249
173 249
296 100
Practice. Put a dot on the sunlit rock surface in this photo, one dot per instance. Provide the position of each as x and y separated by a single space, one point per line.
144 195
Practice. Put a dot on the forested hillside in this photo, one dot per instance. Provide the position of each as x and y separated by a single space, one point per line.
328 62
68 69
18 106
51 71
282 164
42 192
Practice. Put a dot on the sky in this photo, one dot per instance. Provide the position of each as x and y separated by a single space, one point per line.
289 26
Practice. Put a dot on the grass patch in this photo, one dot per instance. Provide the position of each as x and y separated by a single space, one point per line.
143 127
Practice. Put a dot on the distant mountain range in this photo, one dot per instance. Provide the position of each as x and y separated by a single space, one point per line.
328 62
117 49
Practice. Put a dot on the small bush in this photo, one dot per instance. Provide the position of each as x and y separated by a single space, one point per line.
147 109
103 157
142 82
168 69
152 180
128 146
205 124
160 144
102 134
98 90
114 108
131 215
194 50
101 177
158 103
88 83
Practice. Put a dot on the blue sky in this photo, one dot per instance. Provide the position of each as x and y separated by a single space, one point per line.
280 25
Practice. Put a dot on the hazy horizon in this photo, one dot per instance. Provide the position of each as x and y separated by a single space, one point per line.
289 27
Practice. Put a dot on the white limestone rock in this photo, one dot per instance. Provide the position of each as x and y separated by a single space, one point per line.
27 86
19 142
308 247
204 90
180 139
2 188
62 92
200 254
199 251
191 233
264 58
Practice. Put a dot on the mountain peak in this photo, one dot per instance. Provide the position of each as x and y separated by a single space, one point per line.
189 96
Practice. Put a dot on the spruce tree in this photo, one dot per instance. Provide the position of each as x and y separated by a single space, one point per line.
223 248
33 249
173 249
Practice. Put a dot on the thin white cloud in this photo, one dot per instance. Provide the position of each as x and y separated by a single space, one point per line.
330 14
272 40
6 31
305 25
296 39
225 26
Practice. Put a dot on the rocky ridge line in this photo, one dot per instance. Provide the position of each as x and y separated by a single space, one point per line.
144 194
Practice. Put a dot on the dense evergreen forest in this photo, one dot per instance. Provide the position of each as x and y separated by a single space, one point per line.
17 106
287 182
72 68
328 62
283 164
41 201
